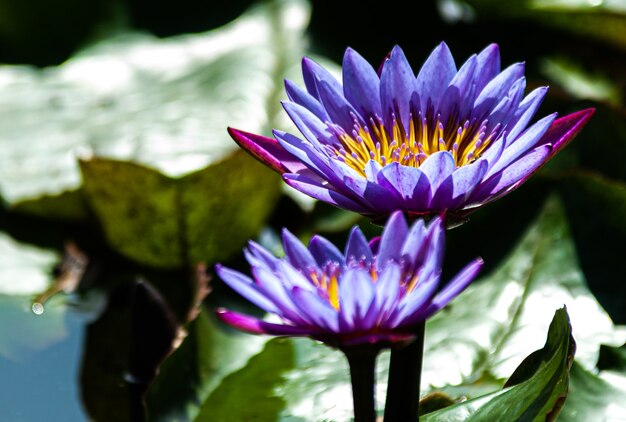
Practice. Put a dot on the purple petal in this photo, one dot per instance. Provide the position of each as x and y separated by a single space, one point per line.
505 109
564 129
324 251
413 244
458 283
377 198
356 292
454 191
435 75
314 189
387 294
513 175
297 254
338 108
357 246
414 302
392 238
397 84
246 288
316 162
437 168
313 129
488 66
257 326
258 256
316 309
460 94
267 150
496 89
527 109
306 100
361 85
274 289
313 73
410 183
522 144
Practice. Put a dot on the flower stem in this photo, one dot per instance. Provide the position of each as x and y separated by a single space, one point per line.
403 388
362 361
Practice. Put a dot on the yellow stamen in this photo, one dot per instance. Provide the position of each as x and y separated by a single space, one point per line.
372 141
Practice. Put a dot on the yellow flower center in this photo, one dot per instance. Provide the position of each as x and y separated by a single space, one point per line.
328 282
466 142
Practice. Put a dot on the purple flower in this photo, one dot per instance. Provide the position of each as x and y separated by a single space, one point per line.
373 292
445 139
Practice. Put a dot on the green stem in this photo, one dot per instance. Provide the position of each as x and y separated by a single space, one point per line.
362 361
403 387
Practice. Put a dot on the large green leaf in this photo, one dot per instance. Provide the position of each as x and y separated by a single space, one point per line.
500 319
165 222
594 397
539 385
164 103
290 380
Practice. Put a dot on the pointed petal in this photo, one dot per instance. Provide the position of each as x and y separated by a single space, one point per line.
306 100
505 109
488 66
435 75
313 73
564 129
356 292
410 183
378 199
338 108
246 288
457 187
316 190
317 163
437 168
313 129
258 256
316 309
460 94
324 251
257 326
392 238
357 246
496 89
524 143
267 150
527 109
512 176
458 283
397 84
297 254
361 85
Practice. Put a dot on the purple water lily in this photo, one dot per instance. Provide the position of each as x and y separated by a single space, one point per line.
445 139
372 293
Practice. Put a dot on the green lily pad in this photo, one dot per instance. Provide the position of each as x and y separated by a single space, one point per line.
594 396
500 319
536 391
163 103
165 222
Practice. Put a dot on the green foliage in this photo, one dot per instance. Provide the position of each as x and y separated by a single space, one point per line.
538 386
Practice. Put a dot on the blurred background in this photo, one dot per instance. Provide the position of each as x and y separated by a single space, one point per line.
120 189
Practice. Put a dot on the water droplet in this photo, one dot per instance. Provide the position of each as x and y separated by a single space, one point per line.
37 308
